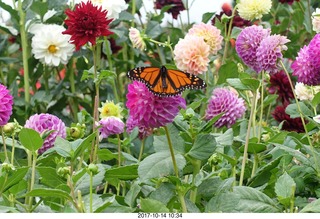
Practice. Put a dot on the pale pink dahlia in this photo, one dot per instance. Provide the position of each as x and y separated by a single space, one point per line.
247 44
270 51
210 34
191 54
46 122
304 68
147 111
227 102
6 101
110 126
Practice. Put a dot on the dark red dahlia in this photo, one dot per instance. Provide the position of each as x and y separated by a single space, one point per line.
279 114
114 47
175 10
86 23
237 20
288 1
279 84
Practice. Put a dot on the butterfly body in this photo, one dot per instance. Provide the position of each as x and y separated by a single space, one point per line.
165 82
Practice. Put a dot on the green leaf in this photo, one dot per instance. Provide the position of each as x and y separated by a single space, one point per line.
223 202
131 197
39 7
254 148
237 84
227 71
285 188
207 127
151 206
161 142
123 173
55 193
251 83
159 164
293 111
313 207
49 176
15 178
316 100
253 201
153 29
85 144
30 139
207 16
203 147
13 13
106 155
61 146
295 153
104 204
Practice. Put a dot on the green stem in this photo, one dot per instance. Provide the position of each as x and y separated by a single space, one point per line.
73 100
172 152
141 149
119 150
255 164
182 202
245 152
33 176
2 77
91 198
261 106
196 169
4 145
293 189
13 149
25 54
302 119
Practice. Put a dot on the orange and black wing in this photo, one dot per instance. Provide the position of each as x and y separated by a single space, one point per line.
163 82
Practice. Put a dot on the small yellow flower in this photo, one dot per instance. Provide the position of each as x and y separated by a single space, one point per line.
253 9
110 109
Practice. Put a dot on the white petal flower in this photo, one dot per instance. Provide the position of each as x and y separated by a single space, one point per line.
317 118
50 46
136 39
49 14
253 9
316 20
303 91
114 7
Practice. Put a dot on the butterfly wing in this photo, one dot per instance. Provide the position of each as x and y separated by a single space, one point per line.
163 82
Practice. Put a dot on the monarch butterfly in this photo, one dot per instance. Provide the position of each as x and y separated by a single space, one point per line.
165 82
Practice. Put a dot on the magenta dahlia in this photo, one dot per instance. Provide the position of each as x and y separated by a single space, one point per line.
270 51
147 111
303 67
47 122
314 51
247 44
227 102
6 101
110 126
86 23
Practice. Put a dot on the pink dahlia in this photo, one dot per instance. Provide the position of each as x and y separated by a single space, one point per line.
86 23
227 102
191 54
110 126
147 111
270 51
304 68
314 51
247 44
6 101
46 122
210 34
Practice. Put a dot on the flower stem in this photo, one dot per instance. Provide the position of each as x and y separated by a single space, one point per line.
33 176
302 119
196 169
119 150
182 202
4 145
261 106
91 200
141 149
171 152
73 100
25 54
13 148
245 152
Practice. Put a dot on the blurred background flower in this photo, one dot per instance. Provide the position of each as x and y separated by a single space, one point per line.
253 9
6 101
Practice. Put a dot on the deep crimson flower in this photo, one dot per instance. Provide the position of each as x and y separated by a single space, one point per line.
279 84
288 1
86 23
237 20
175 10
289 124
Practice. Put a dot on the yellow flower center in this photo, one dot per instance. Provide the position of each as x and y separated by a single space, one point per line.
52 49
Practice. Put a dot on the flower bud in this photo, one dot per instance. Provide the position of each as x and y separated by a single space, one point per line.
8 128
93 168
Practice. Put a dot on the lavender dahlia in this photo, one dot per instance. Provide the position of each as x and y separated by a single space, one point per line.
227 102
247 44
147 111
47 122
110 126
270 51
6 101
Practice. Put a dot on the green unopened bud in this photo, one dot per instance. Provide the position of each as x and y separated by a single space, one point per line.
93 168
224 174
63 171
265 137
75 132
8 167
8 128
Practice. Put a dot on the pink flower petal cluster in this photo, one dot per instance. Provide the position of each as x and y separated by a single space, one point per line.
191 54
47 122
227 102
6 100
147 111
110 125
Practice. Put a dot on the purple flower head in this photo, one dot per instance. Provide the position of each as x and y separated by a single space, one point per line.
46 122
6 101
269 51
227 102
247 44
314 51
110 126
147 111
304 68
